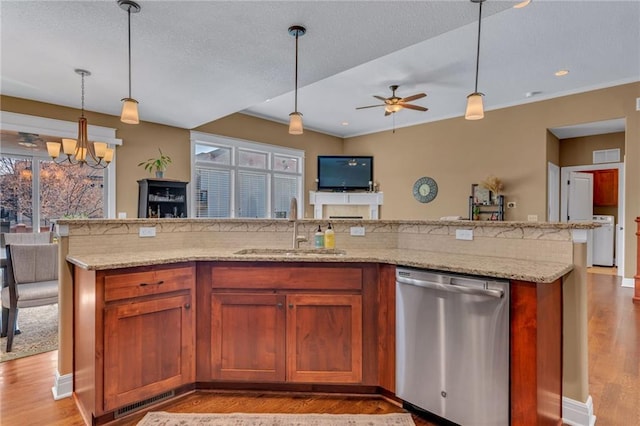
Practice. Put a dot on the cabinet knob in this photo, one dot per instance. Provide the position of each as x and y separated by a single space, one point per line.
279 305
187 305
290 305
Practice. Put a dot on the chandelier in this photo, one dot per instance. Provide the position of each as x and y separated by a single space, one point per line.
96 155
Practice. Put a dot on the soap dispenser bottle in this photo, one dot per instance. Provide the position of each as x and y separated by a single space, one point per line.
318 239
329 238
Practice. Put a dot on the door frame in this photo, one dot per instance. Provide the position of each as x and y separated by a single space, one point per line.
564 177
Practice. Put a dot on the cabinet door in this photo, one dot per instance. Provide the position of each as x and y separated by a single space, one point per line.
247 337
324 338
605 187
149 348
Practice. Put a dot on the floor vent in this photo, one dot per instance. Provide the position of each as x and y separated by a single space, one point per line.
142 404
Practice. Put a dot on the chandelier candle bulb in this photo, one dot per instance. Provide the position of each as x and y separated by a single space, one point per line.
69 146
108 155
100 149
53 148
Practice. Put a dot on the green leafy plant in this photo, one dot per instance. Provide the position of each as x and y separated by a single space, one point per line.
157 164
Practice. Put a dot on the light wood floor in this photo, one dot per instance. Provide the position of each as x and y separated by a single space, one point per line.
614 377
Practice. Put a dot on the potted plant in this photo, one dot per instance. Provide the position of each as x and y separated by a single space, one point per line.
157 164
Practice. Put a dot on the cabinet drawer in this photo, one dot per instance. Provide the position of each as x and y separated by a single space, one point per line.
144 283
287 277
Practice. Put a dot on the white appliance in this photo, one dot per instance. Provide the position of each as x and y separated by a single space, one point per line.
603 238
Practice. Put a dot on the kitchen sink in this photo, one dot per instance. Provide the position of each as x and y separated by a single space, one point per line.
291 252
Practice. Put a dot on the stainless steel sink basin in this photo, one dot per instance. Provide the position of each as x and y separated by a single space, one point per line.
291 252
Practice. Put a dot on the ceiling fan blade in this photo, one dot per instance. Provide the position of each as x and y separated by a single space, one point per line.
380 98
416 107
387 113
413 98
369 106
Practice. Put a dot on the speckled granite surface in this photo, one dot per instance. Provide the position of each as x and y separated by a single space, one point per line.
514 269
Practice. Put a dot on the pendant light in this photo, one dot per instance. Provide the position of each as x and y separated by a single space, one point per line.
295 118
475 109
130 106
96 155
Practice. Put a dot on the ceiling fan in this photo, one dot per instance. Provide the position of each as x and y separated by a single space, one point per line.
395 104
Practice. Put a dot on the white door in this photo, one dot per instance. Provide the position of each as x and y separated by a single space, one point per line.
553 193
580 204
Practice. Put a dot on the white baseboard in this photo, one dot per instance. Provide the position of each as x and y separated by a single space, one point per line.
576 413
628 282
62 386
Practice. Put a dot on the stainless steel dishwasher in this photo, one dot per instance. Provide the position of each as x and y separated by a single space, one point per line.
452 346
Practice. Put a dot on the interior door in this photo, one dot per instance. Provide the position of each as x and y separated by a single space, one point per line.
580 204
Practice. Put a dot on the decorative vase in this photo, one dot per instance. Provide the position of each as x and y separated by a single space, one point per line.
159 174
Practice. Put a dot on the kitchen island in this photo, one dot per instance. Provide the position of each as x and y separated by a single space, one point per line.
197 290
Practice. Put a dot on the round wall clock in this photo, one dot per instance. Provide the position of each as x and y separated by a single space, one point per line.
425 189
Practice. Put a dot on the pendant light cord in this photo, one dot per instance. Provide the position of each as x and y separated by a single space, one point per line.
82 96
129 16
478 50
296 91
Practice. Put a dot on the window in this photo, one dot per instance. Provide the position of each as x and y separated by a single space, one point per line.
33 190
236 178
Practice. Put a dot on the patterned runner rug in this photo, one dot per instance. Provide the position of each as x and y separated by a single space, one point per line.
39 327
161 418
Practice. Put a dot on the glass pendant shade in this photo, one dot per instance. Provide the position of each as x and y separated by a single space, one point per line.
53 148
129 111
475 108
295 123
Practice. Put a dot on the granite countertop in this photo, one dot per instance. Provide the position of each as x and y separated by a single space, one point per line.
497 267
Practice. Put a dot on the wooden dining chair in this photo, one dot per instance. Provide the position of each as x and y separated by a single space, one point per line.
32 272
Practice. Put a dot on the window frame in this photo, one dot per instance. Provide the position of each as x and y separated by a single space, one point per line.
236 146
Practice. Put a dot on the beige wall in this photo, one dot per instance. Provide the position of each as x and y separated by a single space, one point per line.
579 151
511 143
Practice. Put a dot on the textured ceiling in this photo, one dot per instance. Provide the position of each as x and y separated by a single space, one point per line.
198 61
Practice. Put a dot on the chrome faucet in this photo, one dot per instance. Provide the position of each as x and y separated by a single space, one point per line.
297 239
293 214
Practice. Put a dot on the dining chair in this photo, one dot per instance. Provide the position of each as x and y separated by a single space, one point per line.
32 272
17 238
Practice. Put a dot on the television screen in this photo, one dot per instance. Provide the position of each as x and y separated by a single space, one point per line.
344 173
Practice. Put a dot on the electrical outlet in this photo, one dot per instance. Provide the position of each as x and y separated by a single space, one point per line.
357 231
149 231
511 205
464 234
532 218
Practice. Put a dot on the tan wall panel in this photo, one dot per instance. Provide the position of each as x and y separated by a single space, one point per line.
579 151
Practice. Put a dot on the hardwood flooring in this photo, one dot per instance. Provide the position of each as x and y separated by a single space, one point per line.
614 378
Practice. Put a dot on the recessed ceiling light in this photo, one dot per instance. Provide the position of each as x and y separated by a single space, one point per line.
522 4
561 73
532 93
345 123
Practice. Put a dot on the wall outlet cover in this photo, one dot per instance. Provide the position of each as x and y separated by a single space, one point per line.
464 234
147 231
532 218
357 231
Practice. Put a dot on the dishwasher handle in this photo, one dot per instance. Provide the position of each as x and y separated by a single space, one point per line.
451 288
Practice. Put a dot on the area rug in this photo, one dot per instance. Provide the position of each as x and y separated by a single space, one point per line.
39 327
161 418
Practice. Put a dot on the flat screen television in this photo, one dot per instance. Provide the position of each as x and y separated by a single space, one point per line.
344 173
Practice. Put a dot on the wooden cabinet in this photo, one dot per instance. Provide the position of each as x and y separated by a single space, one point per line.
162 198
298 324
247 337
605 187
142 342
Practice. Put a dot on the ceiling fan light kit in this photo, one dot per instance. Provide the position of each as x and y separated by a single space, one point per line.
129 113
475 107
295 118
394 103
